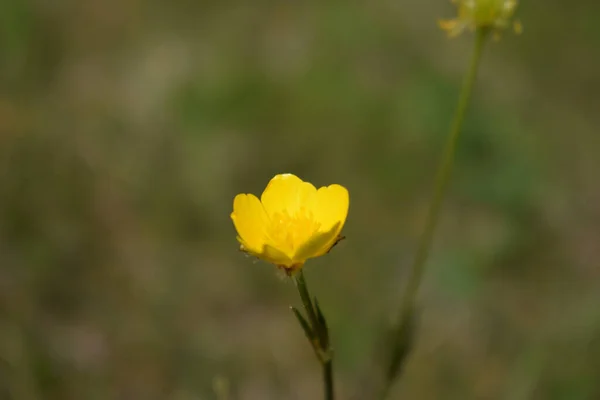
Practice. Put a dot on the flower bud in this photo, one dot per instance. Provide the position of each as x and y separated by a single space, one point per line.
493 15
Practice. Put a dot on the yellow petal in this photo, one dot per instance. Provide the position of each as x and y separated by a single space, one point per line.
250 221
518 27
275 256
287 192
447 24
453 27
318 244
331 207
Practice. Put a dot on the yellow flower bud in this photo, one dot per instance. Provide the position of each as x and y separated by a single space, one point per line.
494 15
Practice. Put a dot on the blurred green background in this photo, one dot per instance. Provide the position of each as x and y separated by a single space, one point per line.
128 126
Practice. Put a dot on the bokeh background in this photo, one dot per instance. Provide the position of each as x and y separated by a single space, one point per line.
128 126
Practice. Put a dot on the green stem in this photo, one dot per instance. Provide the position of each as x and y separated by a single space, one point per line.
444 173
320 342
328 379
306 300
441 184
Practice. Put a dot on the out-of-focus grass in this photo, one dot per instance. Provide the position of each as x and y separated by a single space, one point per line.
127 127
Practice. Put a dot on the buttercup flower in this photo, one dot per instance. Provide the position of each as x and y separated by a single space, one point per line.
292 221
495 15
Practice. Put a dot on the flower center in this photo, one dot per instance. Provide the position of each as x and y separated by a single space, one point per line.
289 232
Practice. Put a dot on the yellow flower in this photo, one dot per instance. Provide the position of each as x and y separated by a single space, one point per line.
495 15
292 221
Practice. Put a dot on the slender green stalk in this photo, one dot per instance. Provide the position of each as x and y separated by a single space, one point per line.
328 379
305 297
317 333
444 172
406 314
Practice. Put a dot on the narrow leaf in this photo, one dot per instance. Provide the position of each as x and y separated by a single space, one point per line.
401 345
320 317
304 324
323 330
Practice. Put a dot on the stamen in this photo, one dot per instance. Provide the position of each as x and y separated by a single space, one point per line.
289 232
